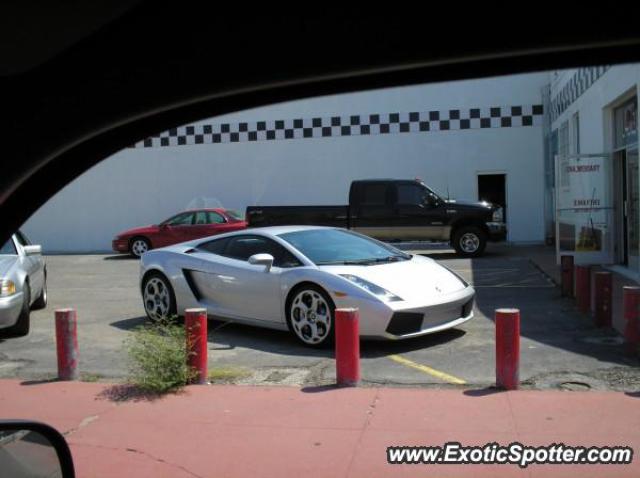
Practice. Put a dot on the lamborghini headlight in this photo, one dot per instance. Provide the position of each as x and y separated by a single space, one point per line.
498 215
378 291
7 287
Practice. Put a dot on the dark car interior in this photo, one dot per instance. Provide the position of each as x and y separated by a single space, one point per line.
81 81
129 69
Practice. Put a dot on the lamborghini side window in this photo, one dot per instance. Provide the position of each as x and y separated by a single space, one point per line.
217 246
243 247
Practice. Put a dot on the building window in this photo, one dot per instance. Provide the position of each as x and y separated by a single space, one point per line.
575 134
626 124
563 151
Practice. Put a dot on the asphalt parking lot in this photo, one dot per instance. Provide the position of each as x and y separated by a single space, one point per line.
559 347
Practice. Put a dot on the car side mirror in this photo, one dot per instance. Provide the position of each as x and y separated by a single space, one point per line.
32 250
30 449
263 260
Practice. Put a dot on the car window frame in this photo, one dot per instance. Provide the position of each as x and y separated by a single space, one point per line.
370 187
201 246
299 263
168 221
209 213
230 215
21 238
194 220
423 194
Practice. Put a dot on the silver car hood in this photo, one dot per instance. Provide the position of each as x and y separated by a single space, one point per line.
6 264
412 280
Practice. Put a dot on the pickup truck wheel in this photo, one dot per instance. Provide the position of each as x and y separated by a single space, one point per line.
310 315
469 241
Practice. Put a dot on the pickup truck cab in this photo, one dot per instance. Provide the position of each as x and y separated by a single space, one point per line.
398 210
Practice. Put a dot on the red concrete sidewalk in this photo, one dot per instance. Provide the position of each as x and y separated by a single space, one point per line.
259 431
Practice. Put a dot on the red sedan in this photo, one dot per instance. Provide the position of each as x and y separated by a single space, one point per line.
182 227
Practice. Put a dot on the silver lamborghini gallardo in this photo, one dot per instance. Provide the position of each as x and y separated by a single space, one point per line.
294 277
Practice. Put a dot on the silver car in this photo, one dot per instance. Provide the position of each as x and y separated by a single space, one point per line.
294 277
23 284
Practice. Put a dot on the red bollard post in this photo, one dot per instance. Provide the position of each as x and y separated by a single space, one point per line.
583 288
347 347
603 292
195 322
631 306
507 348
67 344
566 266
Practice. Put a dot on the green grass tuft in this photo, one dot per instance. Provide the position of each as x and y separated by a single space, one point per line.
157 357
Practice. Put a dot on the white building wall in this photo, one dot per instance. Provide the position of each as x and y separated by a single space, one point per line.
141 186
595 104
594 107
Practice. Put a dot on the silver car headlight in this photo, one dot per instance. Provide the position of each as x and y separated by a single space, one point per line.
498 215
7 287
376 290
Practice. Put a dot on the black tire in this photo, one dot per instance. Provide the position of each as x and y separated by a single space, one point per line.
469 241
155 294
302 294
23 324
41 301
139 245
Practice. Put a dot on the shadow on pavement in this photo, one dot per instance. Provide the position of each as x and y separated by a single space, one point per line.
129 324
483 392
381 348
231 335
28 383
120 257
441 256
132 393
507 278
633 394
321 388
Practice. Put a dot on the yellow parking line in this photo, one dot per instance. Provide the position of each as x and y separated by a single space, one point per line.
428 370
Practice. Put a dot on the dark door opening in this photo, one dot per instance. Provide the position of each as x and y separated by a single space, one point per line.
493 188
622 188
627 189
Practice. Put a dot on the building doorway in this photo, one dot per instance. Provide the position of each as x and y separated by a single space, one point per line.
627 192
626 183
493 188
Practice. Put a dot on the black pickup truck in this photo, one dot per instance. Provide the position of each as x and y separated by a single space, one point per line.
397 210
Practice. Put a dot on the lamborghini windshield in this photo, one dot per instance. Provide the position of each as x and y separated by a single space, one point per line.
334 246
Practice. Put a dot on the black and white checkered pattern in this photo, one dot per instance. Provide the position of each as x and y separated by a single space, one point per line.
574 88
352 125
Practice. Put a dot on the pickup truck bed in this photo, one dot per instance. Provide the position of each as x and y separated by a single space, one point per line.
334 216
